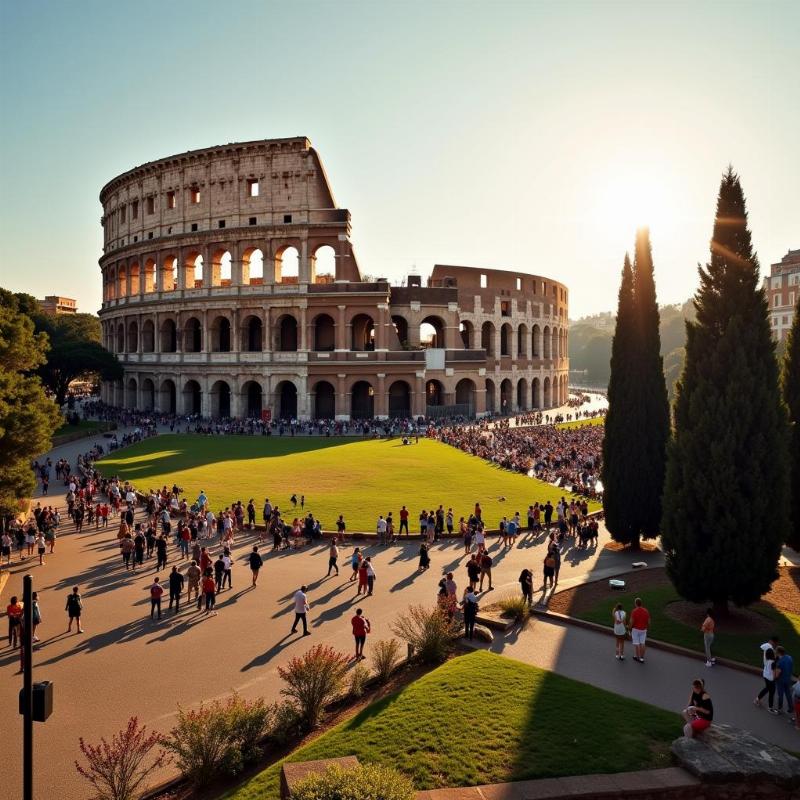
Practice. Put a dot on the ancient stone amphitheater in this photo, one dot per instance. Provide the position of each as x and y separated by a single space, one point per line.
231 288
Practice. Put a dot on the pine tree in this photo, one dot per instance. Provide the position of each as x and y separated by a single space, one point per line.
790 384
727 490
618 469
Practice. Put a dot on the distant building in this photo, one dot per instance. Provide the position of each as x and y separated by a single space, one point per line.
52 304
782 287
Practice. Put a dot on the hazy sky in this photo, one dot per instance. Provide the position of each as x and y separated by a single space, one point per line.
531 135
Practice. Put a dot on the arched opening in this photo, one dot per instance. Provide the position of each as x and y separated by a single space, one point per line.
401 329
467 331
253 398
487 339
148 336
287 334
120 338
324 401
169 274
555 343
536 393
224 275
133 336
122 281
547 398
192 336
253 267
522 341
363 333
252 334
400 400
286 394
536 342
131 398
323 265
491 398
506 397
465 397
434 393
324 334
119 393
221 335
135 277
168 402
546 340
148 395
287 265
192 398
522 395
194 270
149 276
431 332
169 336
505 340
362 401
220 400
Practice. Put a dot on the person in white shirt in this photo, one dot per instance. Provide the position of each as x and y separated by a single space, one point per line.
300 610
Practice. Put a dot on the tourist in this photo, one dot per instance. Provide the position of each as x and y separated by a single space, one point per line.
74 609
36 615
549 570
526 585
361 628
355 563
618 617
156 590
256 562
700 712
784 664
251 514
424 558
40 548
301 610
707 628
333 557
403 521
768 672
380 529
370 575
486 570
209 593
219 571
796 701
640 622
193 574
14 613
126 547
176 581
473 571
161 552
5 547
227 568
341 527
469 606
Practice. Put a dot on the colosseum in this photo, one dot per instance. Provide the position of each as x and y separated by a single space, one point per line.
231 288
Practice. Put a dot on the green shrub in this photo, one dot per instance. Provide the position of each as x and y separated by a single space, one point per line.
385 654
515 606
365 782
429 632
250 722
313 680
288 723
359 678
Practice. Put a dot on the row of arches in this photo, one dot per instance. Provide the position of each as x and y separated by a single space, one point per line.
508 398
524 342
189 270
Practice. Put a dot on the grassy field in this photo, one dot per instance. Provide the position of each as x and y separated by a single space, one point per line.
85 426
581 423
358 478
482 718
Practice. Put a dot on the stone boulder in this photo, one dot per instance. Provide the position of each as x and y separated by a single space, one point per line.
723 753
483 634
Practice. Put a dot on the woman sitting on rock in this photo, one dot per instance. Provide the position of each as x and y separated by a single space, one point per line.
700 711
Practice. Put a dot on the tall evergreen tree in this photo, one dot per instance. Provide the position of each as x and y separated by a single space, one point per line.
790 384
727 489
618 471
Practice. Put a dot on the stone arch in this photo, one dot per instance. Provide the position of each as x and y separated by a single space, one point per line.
505 339
554 342
133 336
120 348
400 400
192 335
362 332
490 396
536 342
148 336
134 274
522 394
252 399
324 333
192 397
169 336
431 332
221 335
131 400
466 394
220 267
287 264
536 393
487 338
401 329
193 268
220 399
362 400
546 342
467 331
434 393
252 340
547 397
169 273
323 264
148 395
506 396
253 266
286 330
168 400
522 341
149 276
122 281
286 400
324 405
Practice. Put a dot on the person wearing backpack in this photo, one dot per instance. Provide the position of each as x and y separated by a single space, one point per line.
74 609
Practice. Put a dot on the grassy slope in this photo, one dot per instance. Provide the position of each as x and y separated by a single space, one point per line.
482 718
741 647
357 478
580 423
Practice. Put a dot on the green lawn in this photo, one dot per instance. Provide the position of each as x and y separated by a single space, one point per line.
482 718
740 647
358 478
580 423
87 426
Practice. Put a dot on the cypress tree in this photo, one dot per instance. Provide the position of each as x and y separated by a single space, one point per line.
618 470
790 384
727 489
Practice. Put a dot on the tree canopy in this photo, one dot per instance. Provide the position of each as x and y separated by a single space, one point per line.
790 385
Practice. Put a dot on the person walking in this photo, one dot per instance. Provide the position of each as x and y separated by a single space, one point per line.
370 576
41 546
768 673
361 628
193 581
355 563
362 578
486 570
700 712
424 558
548 570
784 664
156 590
526 585
209 593
640 622
301 610
227 567
14 613
333 557
473 571
74 609
469 606
707 628
36 615
161 552
796 701
176 581
256 562
618 617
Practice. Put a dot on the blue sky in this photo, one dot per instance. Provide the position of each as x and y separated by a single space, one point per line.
531 136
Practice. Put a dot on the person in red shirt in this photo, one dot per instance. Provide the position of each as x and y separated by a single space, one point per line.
361 628
156 590
362 578
640 621
403 521
14 612
210 593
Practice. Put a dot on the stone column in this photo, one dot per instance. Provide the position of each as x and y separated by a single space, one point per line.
418 400
266 333
381 334
303 326
236 399
205 398
342 398
381 406
341 331
304 267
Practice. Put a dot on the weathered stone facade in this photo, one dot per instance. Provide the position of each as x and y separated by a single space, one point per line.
215 302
